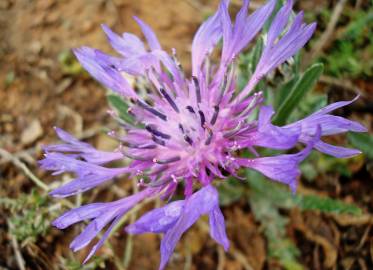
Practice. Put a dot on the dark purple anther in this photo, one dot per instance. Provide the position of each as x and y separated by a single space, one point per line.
166 161
157 133
158 141
152 110
169 99
198 89
188 139
134 157
139 146
190 109
181 128
209 137
215 115
202 117
222 89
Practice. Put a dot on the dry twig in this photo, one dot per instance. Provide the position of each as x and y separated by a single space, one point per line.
232 250
326 35
241 258
221 259
345 84
17 252
18 163
349 220
129 244
188 258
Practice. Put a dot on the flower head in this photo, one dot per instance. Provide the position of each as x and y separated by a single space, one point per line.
191 128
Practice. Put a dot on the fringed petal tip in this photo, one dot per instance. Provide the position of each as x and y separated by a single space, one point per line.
336 151
175 218
58 193
101 215
149 34
58 224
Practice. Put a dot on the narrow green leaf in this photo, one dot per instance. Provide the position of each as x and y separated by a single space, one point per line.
297 63
256 53
281 197
362 141
325 205
118 104
312 102
230 191
248 62
283 91
299 90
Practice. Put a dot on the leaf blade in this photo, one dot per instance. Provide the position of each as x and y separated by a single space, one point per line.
305 83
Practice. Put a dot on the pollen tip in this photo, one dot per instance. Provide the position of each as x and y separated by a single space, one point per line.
174 178
111 133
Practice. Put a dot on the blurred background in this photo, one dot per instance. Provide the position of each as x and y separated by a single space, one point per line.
327 226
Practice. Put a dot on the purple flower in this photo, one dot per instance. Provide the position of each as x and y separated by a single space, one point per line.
81 149
192 127
178 216
282 168
88 175
330 125
101 215
278 50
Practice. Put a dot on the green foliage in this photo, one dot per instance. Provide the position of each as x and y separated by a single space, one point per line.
283 198
230 191
351 54
255 55
121 107
362 141
293 96
325 205
283 91
68 63
29 215
97 262
9 79
248 61
320 164
311 103
274 224
267 198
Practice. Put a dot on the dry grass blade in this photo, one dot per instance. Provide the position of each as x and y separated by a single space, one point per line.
326 35
18 163
129 244
17 252
221 259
